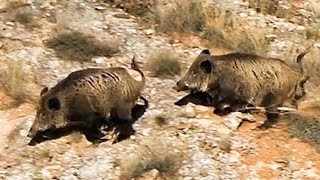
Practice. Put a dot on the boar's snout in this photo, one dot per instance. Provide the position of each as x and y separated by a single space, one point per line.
181 86
31 132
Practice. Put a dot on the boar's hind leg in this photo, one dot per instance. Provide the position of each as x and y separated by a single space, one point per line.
123 121
121 114
139 109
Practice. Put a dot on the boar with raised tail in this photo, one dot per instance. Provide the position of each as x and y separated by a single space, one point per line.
240 80
85 100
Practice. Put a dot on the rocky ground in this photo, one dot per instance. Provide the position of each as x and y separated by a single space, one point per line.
170 142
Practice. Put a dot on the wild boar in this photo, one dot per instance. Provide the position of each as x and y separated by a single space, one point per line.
85 99
245 79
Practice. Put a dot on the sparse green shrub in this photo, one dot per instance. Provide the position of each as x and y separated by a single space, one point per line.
13 81
306 128
77 46
163 64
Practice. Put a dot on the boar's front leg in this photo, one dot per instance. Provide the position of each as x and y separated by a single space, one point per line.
90 126
271 104
230 104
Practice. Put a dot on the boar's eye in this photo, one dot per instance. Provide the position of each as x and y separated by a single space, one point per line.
206 66
54 104
42 115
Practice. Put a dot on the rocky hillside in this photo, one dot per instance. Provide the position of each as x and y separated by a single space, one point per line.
41 42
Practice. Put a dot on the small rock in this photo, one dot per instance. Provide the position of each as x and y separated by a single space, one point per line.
189 112
99 8
271 37
252 13
317 45
9 23
309 164
243 15
301 28
133 137
98 60
149 31
122 15
201 108
294 166
23 132
233 120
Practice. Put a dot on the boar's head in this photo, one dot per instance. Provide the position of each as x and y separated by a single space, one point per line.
49 114
200 76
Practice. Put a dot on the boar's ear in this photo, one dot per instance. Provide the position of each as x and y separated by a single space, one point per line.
44 90
206 66
54 104
206 51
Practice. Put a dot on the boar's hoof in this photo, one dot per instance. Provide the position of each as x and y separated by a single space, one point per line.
95 136
33 142
123 132
223 110
270 122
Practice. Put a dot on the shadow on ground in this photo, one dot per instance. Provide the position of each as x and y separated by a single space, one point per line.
77 46
123 129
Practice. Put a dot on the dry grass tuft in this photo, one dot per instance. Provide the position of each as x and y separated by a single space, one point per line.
264 6
20 11
14 135
225 144
245 44
151 155
181 16
77 46
161 120
313 33
76 137
139 8
164 65
216 25
251 42
13 81
217 36
306 128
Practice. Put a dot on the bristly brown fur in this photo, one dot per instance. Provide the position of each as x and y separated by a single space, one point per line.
87 95
248 78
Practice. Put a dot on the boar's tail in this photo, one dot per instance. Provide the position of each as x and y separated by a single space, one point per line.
135 66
